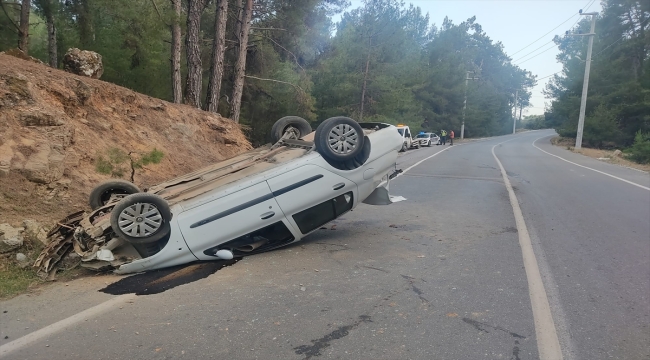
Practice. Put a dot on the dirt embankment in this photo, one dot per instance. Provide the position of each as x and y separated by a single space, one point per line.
56 126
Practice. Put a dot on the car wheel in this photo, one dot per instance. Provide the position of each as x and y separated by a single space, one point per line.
102 192
287 122
141 218
404 147
359 160
429 143
339 139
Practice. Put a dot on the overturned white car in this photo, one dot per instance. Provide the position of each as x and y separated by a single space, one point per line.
257 201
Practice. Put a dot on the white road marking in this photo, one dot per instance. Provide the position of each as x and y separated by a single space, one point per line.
65 323
582 166
548 344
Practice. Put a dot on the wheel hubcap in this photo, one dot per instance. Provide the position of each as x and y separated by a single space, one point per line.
343 139
140 220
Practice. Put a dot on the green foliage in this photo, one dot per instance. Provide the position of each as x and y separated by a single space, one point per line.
383 62
534 122
618 102
114 164
640 150
601 129
117 162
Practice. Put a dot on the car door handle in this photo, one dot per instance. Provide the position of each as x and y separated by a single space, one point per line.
338 186
267 215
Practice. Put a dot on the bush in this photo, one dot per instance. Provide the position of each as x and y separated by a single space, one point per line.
117 162
640 150
601 128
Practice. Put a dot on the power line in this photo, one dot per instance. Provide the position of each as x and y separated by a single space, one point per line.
523 57
541 37
612 44
548 76
585 8
589 3
552 47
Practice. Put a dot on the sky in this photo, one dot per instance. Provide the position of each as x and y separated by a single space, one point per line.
516 24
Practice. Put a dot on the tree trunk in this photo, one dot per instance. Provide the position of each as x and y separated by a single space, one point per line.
177 92
86 36
363 89
51 35
23 33
240 17
218 53
193 48
240 66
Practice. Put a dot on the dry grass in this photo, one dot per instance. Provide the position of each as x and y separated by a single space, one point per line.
602 155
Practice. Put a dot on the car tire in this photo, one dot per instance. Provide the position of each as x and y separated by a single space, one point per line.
282 125
359 160
128 213
404 147
347 135
429 143
102 192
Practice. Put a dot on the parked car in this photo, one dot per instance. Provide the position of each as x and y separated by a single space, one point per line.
407 139
428 139
257 201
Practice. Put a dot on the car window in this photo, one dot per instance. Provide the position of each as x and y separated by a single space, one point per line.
318 215
422 136
408 134
259 240
401 131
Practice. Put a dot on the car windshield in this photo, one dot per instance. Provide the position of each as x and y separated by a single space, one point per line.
401 131
423 136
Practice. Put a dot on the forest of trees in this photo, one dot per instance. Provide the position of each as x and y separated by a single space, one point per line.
618 103
384 61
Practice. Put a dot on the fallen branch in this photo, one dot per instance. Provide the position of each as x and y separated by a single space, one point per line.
285 49
278 81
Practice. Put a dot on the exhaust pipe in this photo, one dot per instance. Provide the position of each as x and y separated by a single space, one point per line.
253 246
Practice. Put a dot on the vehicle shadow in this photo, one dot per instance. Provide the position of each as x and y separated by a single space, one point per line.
158 281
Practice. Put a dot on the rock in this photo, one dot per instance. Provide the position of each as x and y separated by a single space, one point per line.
35 230
20 257
31 226
37 117
10 238
83 62
617 153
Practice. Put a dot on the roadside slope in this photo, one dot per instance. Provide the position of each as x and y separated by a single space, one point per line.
54 126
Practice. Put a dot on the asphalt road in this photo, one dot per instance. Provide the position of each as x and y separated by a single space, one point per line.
439 276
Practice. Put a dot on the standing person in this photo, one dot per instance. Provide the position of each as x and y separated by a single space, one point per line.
451 137
443 137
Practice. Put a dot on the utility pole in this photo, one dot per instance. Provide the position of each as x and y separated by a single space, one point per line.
514 117
585 84
462 126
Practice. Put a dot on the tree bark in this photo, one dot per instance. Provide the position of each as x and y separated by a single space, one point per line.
240 66
193 49
86 36
23 33
177 91
51 34
363 89
218 53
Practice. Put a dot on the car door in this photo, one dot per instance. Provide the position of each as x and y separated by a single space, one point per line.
311 196
230 217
